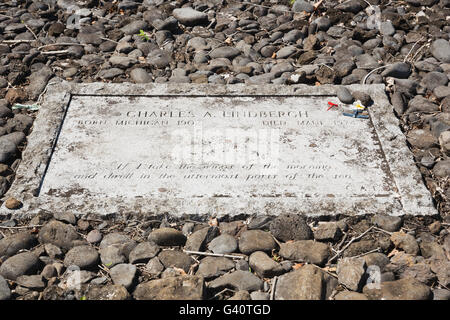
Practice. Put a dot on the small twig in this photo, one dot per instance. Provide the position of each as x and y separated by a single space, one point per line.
55 52
29 29
211 23
277 242
333 294
223 291
368 252
106 39
412 49
333 275
22 227
39 100
418 50
387 232
272 290
342 241
104 268
60 44
267 7
200 253
323 64
16 41
316 6
349 243
367 76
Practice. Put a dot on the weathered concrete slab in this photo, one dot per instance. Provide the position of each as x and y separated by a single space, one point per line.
215 150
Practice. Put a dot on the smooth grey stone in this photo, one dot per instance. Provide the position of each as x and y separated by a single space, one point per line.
90 38
301 5
240 280
344 95
140 75
84 257
388 223
134 27
110 73
94 236
189 16
323 23
286 52
18 265
421 104
123 274
21 122
433 80
353 6
121 61
400 70
66 217
15 137
111 256
223 244
143 252
292 36
224 52
440 49
170 24
438 294
386 28
442 169
441 91
283 67
372 43
256 240
159 58
351 272
264 266
366 61
398 102
5 292
328 231
33 282
8 150
178 259
288 227
167 237
211 267
12 244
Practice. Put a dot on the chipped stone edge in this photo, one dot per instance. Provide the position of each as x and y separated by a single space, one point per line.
413 198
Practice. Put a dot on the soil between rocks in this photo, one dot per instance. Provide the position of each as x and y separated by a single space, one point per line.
399 43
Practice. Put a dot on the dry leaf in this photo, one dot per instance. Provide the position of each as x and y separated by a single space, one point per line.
392 253
213 222
274 55
330 269
297 266
180 271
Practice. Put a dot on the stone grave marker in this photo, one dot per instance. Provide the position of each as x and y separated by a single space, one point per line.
215 150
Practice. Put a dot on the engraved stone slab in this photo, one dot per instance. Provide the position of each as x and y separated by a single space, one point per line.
215 150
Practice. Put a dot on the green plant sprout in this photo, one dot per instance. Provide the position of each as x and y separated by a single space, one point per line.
144 35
